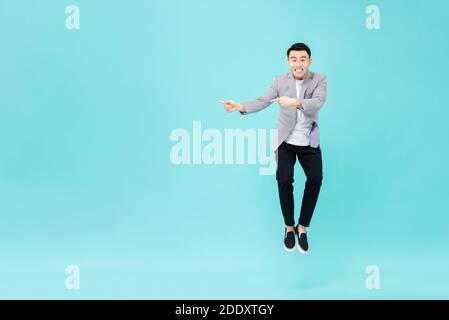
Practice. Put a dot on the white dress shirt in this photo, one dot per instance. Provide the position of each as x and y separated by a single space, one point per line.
300 135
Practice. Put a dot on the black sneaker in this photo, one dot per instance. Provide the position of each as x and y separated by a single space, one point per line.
303 245
289 240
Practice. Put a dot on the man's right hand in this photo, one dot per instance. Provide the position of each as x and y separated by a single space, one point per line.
231 106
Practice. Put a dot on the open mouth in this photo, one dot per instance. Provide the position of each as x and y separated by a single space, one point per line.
298 70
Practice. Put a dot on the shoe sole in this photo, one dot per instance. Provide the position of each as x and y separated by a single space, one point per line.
301 250
289 250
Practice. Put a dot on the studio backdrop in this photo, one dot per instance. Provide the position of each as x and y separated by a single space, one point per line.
122 177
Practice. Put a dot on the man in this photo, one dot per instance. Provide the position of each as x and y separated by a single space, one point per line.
300 94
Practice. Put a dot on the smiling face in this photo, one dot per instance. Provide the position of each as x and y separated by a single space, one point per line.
299 62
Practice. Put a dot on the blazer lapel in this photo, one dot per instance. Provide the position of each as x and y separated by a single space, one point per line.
292 85
305 85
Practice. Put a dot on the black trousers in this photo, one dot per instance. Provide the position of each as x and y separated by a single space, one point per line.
310 160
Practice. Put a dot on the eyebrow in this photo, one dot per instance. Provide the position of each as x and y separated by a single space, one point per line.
299 57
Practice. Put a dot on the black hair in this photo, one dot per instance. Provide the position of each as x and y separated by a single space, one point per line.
299 47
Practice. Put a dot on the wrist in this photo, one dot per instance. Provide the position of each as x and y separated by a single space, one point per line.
298 104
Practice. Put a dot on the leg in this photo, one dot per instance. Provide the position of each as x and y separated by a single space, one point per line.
311 163
284 177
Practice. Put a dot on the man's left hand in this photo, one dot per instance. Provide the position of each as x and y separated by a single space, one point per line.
285 101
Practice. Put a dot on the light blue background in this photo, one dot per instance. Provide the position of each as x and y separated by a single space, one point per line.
86 178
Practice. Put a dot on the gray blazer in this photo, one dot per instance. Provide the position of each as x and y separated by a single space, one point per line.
312 96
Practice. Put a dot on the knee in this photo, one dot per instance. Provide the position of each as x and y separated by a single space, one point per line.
284 179
315 180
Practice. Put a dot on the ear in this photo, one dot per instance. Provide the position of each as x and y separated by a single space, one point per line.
310 61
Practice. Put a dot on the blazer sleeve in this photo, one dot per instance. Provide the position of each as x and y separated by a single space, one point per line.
263 101
318 97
